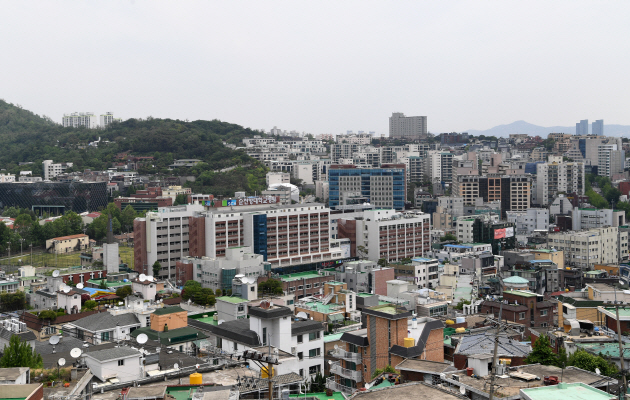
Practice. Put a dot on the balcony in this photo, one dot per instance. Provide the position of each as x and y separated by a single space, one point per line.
338 387
347 355
336 369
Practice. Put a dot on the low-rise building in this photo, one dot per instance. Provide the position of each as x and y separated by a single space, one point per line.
67 244
122 363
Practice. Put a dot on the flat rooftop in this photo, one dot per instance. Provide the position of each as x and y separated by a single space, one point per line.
300 275
522 293
570 391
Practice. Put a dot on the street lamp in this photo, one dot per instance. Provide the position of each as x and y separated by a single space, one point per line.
21 251
31 246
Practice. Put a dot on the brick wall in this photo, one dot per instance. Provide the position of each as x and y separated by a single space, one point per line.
197 236
434 348
380 280
184 271
140 246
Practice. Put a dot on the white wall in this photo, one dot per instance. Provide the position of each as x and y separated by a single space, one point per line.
130 371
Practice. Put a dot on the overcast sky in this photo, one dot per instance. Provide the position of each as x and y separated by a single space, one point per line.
321 67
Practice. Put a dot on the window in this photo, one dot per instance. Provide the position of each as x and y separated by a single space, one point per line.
543 312
521 315
300 339
264 336
235 346
300 356
313 352
219 343
121 363
313 369
301 372
313 335
241 307
104 336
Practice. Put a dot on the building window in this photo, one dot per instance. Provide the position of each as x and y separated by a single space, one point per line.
264 336
313 369
104 336
521 315
219 343
313 335
300 339
300 356
543 312
121 363
313 353
241 307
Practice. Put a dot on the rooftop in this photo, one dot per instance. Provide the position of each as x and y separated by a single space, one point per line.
606 349
522 293
232 299
299 275
568 391
113 354
168 310
413 390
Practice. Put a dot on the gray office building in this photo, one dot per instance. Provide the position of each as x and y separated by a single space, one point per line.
598 127
581 128
401 126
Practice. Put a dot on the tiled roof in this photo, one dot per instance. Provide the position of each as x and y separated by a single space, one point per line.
104 320
301 327
238 331
484 344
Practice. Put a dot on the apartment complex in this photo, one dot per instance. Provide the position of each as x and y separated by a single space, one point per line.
107 119
51 170
76 119
401 126
387 234
285 235
383 187
555 177
587 218
584 249
526 222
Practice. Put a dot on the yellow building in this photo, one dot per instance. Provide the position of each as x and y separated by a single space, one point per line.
571 308
67 244
556 256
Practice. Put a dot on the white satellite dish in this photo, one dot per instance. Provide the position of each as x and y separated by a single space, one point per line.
302 315
442 376
197 366
67 289
142 338
54 339
597 371
150 278
142 278
462 390
61 362
76 352
55 273
79 286
220 321
176 366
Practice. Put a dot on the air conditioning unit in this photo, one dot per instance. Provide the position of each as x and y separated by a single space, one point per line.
294 350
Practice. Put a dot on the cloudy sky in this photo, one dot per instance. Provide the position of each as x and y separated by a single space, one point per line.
321 66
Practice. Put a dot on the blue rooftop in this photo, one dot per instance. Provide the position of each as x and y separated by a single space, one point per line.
540 261
422 259
458 246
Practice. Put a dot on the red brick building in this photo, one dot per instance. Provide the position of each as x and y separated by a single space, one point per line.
523 307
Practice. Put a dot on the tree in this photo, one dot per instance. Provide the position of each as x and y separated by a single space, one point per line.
318 384
123 291
270 286
47 314
20 354
102 285
461 304
589 362
362 252
180 199
90 305
542 353
156 268
382 262
218 292
190 289
448 236
389 369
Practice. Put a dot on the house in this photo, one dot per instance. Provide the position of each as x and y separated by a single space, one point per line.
412 390
69 302
474 345
147 288
15 376
423 370
122 363
13 327
103 327
169 327
67 244
523 307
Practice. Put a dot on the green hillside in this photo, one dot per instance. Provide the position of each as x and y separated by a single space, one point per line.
25 136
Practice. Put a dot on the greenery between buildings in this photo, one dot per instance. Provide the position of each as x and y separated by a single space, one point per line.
20 354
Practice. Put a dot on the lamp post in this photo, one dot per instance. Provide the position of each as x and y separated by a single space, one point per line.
21 251
31 246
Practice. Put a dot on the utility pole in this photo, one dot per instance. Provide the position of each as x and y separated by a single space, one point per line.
496 349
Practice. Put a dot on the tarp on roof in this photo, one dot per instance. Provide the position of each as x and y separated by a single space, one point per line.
335 317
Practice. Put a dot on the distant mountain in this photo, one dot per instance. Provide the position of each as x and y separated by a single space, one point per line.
535 130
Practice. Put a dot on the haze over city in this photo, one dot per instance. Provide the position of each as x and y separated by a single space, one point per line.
323 67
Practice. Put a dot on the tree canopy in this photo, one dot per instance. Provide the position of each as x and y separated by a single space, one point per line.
270 286
20 354
542 353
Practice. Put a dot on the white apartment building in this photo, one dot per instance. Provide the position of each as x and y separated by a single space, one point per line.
74 120
584 249
401 126
587 218
526 222
611 160
452 205
51 170
388 234
217 273
552 178
107 119
7 178
274 177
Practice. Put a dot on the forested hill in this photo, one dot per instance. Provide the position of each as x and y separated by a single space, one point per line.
25 136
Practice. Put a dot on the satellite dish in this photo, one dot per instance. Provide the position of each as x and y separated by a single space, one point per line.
142 338
620 282
197 366
176 366
67 289
142 278
61 362
150 278
220 322
462 390
76 352
597 371
54 339
442 376
55 273
302 314
79 286
264 304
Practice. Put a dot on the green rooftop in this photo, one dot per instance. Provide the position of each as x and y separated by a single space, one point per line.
574 391
97 282
334 283
606 349
332 338
322 308
299 275
168 310
365 294
318 396
521 293
623 312
232 299
386 308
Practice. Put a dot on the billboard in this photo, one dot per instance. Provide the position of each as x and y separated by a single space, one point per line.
499 233
244 201
509 232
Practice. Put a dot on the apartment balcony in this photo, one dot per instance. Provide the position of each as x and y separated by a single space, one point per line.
336 369
347 355
338 387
